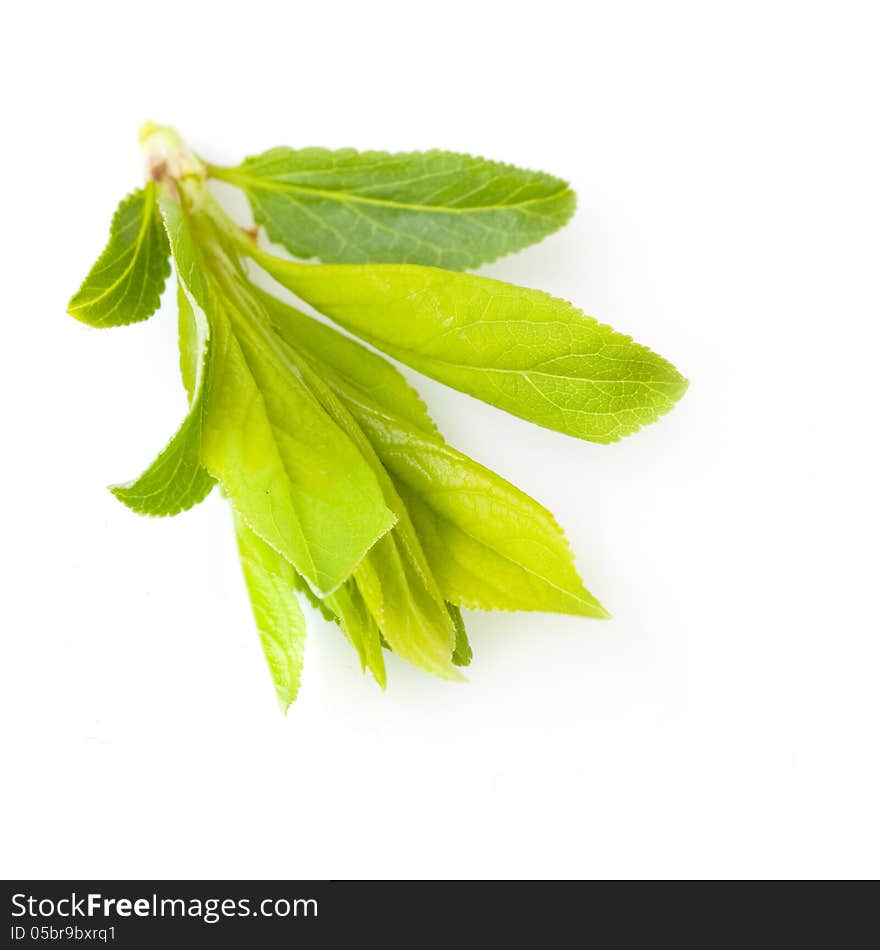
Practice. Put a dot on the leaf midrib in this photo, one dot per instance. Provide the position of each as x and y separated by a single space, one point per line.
516 372
237 178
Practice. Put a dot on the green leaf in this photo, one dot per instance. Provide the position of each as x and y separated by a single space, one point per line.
359 626
522 350
405 601
320 604
345 607
462 654
287 467
126 282
189 340
271 584
394 578
176 480
357 366
439 208
488 544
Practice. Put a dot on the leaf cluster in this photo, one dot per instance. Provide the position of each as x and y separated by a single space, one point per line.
342 489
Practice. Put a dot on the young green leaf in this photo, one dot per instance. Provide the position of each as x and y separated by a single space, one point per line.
271 584
439 208
319 603
375 377
462 654
176 480
405 601
488 544
362 369
522 350
288 468
394 578
126 282
345 607
191 334
359 626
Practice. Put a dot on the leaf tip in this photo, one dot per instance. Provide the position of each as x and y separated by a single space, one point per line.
452 673
586 604
80 311
590 607
379 674
120 493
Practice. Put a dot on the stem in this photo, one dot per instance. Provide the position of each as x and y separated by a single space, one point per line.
172 164
168 159
220 242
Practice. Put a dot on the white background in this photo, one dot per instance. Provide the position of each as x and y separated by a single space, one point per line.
725 722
